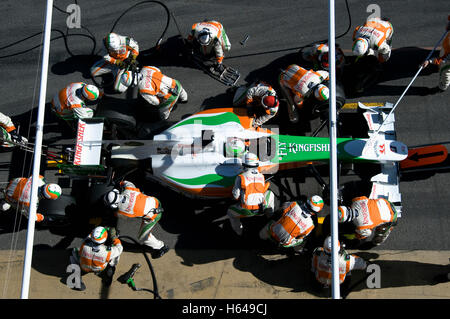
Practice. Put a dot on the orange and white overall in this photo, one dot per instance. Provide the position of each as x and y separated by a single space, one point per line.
297 83
69 104
379 35
219 42
292 227
18 194
443 61
252 96
322 268
372 213
253 193
160 90
94 258
128 47
8 126
135 204
313 53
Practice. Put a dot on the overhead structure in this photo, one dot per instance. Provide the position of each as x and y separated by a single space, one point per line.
37 154
333 154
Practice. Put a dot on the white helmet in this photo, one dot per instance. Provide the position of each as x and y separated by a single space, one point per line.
346 214
234 147
99 235
51 191
327 245
321 92
204 36
112 42
127 78
360 46
90 92
112 198
250 160
315 203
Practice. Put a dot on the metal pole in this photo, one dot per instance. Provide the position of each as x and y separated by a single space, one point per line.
37 154
333 155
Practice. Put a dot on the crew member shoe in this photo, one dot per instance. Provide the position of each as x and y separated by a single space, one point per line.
160 252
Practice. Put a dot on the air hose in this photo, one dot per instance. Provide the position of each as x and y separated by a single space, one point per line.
128 276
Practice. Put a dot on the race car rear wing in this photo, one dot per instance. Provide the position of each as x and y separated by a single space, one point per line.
88 142
386 184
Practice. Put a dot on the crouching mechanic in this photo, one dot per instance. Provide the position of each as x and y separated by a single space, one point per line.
373 38
9 133
443 62
100 253
18 195
119 52
209 39
374 219
253 193
298 84
72 102
160 90
261 98
132 203
322 268
292 223
318 56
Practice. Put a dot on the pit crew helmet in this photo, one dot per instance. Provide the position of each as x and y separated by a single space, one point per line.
90 92
360 46
269 101
51 191
204 37
342 214
112 198
99 235
250 160
234 147
321 92
112 42
315 203
327 245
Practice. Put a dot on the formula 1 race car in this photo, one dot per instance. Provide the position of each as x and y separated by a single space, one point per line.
190 157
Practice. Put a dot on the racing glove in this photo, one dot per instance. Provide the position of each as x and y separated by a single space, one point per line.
218 67
121 64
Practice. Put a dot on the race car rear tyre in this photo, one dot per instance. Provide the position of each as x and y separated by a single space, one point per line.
120 114
58 212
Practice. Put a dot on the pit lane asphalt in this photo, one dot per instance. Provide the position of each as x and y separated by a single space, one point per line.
275 30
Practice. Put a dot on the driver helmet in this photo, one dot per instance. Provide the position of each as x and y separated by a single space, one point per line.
204 36
235 147
360 46
269 101
321 92
250 160
112 198
112 42
99 235
315 203
327 245
51 191
90 92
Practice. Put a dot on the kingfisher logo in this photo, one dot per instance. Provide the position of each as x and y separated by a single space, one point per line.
79 146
